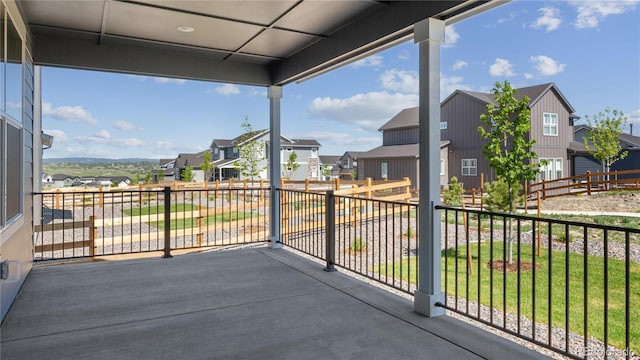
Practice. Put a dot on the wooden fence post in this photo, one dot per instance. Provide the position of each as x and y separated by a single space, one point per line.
306 184
200 234
407 189
338 183
367 183
93 235
57 199
589 182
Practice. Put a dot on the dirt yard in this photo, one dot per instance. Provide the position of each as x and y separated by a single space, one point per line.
612 201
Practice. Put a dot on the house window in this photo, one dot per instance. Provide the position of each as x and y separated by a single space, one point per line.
314 153
235 152
441 166
289 149
550 124
469 167
384 167
550 168
443 125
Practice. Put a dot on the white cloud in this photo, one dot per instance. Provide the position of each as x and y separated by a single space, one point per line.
68 113
125 125
344 139
501 67
404 55
400 80
59 136
368 111
550 19
591 13
634 118
129 142
451 84
451 37
460 64
227 89
546 66
528 76
103 134
370 61
163 80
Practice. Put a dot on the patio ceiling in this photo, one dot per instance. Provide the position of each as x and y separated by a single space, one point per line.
246 42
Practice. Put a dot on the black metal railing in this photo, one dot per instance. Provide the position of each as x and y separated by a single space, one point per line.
563 285
372 238
96 223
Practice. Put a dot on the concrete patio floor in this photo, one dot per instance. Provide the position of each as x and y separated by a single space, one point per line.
248 303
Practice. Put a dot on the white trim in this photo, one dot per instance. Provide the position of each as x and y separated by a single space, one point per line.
551 124
470 167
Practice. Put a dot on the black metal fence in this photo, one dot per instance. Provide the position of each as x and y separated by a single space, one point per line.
373 238
96 223
567 286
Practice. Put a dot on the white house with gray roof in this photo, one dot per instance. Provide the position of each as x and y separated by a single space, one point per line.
226 152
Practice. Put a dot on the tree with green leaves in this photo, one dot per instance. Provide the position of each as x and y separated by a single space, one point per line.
291 166
602 140
206 166
506 127
148 179
187 173
250 153
452 195
326 170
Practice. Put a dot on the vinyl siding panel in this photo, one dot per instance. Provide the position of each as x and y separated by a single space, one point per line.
462 114
397 169
400 136
551 103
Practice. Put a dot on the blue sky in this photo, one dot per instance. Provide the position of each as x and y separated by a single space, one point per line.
589 49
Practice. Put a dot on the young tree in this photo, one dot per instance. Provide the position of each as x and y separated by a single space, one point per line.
187 173
291 166
326 170
250 153
206 166
603 137
506 126
148 179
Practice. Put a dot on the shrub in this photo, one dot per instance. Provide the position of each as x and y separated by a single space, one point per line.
498 196
452 195
358 245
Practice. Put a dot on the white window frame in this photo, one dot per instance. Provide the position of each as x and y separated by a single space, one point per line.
443 125
442 167
554 169
550 124
384 170
314 153
469 167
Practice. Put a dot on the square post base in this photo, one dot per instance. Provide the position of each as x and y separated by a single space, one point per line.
425 304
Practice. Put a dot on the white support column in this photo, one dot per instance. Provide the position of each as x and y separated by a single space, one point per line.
274 94
429 34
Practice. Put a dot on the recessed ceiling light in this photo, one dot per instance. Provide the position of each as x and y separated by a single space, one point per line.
186 29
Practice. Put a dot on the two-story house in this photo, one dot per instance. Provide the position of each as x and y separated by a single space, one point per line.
397 157
583 161
349 164
226 152
552 119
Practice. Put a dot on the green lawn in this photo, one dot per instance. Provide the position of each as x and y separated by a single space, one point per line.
453 265
187 223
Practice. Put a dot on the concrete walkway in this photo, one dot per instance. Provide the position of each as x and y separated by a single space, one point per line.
239 304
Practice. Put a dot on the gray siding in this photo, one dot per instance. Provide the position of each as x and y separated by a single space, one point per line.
397 169
582 164
400 136
551 103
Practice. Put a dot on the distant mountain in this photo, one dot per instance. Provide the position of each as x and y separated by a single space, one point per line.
86 160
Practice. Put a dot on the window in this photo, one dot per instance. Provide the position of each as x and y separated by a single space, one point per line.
550 124
384 167
442 167
289 149
314 153
469 167
443 125
550 168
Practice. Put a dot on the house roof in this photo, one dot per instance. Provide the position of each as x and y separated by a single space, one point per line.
352 154
535 93
396 151
330 159
240 139
245 42
194 160
224 163
405 118
627 140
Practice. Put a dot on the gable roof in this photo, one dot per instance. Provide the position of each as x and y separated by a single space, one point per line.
405 118
330 159
397 151
535 93
627 140
184 160
241 139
